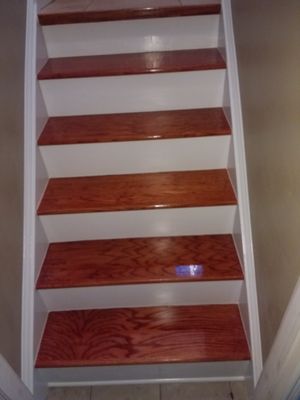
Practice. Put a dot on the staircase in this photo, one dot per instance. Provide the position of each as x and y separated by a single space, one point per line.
141 279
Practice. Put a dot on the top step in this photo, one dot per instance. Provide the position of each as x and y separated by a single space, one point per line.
81 11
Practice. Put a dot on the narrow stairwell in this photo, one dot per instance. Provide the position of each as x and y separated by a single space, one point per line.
141 279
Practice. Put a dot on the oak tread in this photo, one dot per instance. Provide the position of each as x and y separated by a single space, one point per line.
142 260
113 10
143 336
134 126
132 64
137 192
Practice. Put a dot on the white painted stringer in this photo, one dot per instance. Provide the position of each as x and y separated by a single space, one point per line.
148 295
35 244
244 227
134 93
142 35
136 157
142 223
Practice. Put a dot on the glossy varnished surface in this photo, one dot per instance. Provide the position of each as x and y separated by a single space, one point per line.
134 126
134 63
75 11
143 336
144 260
137 192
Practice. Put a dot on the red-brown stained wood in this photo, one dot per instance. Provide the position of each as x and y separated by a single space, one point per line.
143 260
143 336
113 10
133 63
137 192
134 126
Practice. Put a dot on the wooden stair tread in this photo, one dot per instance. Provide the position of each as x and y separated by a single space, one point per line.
143 336
112 10
133 63
137 192
134 126
143 260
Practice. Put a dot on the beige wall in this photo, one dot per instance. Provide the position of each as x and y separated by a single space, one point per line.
268 39
12 33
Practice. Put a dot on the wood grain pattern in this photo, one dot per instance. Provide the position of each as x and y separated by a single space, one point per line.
134 126
144 260
133 63
137 192
112 10
143 336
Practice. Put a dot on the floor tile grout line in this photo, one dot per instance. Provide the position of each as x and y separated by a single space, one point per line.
231 391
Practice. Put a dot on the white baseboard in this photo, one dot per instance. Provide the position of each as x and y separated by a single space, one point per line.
139 374
11 386
281 373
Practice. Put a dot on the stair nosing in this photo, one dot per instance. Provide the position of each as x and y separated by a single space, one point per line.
124 15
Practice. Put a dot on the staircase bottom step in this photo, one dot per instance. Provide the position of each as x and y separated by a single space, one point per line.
152 335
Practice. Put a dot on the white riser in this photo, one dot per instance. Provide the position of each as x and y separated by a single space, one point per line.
158 294
132 36
136 157
151 92
124 224
155 373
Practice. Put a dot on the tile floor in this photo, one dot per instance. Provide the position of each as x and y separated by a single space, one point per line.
174 391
